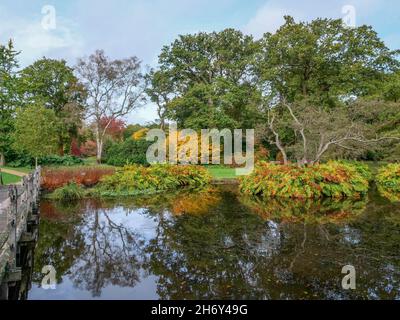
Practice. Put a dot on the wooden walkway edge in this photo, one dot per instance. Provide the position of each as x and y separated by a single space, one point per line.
18 210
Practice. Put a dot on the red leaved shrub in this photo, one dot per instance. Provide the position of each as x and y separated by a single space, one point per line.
84 176
88 149
75 150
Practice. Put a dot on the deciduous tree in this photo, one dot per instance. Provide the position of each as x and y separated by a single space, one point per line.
8 65
36 131
52 83
114 89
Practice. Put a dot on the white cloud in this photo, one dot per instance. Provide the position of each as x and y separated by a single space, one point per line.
270 16
34 41
268 19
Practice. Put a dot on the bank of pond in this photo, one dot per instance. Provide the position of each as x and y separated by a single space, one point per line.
183 237
334 179
217 243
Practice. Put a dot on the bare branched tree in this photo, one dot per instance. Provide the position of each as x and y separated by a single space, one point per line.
114 88
316 130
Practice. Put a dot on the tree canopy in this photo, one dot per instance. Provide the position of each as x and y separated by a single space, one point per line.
8 65
35 131
208 80
53 84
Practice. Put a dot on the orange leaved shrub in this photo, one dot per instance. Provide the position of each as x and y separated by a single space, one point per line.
84 176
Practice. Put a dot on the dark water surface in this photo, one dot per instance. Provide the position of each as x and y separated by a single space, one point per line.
215 244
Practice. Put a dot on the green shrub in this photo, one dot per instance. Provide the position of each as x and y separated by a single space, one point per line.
127 152
20 160
136 179
333 179
54 160
361 168
388 181
69 192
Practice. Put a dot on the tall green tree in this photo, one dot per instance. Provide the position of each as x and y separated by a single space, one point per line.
114 89
53 84
35 131
323 61
209 80
313 76
8 65
160 91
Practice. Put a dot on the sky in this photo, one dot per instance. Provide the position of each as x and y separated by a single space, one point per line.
70 29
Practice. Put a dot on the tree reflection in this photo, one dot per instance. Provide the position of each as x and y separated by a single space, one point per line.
214 244
111 254
94 251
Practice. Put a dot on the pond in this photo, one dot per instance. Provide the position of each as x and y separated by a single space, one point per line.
216 244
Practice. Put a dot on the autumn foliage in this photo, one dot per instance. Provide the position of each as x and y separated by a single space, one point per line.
115 127
136 179
388 181
332 179
83 176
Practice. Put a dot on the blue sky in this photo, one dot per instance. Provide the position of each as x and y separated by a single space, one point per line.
141 27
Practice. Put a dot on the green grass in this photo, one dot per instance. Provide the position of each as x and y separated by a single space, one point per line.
87 162
219 172
91 161
20 169
9 178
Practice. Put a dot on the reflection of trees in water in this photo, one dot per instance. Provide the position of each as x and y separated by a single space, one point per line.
94 251
110 254
233 253
230 252
319 211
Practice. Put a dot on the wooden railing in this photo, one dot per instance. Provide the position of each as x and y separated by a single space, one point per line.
17 210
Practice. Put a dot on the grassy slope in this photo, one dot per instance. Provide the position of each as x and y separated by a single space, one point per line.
21 169
10 179
222 172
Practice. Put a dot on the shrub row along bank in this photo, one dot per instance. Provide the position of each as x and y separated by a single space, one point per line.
83 176
24 160
332 179
137 179
388 181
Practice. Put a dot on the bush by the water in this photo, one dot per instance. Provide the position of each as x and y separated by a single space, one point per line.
69 192
136 179
53 178
388 181
332 179
126 152
23 160
54 160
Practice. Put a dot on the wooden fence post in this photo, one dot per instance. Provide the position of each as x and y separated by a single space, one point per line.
13 193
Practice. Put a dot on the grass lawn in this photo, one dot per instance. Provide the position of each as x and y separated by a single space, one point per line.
21 169
91 161
218 172
9 178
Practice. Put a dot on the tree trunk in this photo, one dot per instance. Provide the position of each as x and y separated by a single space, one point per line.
99 151
99 144
162 125
36 162
2 159
281 149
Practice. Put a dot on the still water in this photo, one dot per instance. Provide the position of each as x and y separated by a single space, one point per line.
216 244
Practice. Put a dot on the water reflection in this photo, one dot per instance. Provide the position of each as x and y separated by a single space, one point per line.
215 244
